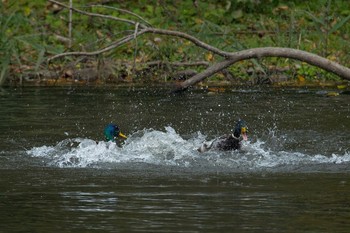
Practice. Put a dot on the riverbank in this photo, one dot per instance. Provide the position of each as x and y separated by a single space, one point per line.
30 43
217 83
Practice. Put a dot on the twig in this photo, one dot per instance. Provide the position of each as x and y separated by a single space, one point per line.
70 23
135 49
193 39
155 31
124 11
96 15
94 53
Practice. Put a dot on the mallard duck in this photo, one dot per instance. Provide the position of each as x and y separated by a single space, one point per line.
112 132
228 141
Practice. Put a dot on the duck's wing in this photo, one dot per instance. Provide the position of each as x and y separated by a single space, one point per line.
226 142
208 145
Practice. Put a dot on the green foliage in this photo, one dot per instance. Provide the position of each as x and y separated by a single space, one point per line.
8 45
312 73
30 31
326 22
19 43
307 71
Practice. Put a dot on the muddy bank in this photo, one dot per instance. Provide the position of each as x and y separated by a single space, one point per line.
159 74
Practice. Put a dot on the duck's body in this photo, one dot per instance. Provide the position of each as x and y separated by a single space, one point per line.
228 141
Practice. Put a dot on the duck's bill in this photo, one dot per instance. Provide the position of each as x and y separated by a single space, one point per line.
122 136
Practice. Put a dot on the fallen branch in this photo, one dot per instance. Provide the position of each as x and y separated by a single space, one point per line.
296 54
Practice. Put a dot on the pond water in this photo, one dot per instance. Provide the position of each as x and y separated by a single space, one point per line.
58 174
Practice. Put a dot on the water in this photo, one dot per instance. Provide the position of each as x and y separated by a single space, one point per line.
57 173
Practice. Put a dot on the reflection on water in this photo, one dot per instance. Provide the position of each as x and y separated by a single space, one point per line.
58 175
90 200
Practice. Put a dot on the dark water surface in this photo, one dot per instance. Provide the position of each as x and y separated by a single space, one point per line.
58 175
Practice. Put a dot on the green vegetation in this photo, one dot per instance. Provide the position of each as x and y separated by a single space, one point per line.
32 31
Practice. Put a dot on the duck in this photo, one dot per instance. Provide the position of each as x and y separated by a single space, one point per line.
112 132
228 142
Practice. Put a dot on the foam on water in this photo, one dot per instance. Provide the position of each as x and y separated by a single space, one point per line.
168 148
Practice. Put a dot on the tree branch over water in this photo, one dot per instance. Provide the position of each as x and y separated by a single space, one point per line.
296 54
229 58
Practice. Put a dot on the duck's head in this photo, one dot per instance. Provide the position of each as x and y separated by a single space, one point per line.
241 130
112 132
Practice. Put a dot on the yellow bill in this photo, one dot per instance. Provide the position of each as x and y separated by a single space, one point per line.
122 135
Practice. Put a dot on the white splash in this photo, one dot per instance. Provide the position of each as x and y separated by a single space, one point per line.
147 146
170 149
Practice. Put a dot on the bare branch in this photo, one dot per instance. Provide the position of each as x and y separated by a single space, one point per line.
124 11
296 54
106 49
97 15
155 31
135 49
70 23
193 39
